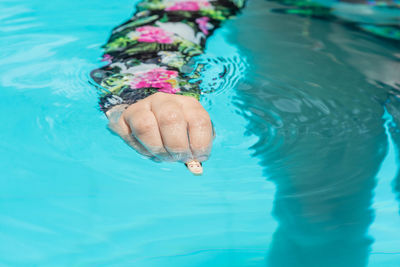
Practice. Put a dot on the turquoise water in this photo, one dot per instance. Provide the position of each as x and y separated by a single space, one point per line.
304 170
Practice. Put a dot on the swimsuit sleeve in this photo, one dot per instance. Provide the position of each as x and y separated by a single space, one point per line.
154 50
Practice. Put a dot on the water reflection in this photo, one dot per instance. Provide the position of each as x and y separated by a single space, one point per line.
379 18
393 106
315 98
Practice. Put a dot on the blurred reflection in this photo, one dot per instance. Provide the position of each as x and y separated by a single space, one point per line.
314 97
393 107
383 73
379 18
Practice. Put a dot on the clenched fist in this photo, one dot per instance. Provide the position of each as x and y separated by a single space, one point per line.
165 127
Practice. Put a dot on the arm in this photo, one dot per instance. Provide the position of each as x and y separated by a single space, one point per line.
148 88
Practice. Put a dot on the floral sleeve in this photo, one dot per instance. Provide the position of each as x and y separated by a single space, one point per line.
153 51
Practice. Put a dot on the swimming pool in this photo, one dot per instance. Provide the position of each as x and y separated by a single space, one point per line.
304 170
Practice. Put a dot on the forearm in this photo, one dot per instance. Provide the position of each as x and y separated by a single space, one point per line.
152 52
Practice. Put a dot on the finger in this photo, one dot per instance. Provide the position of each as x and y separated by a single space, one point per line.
118 125
200 132
136 145
144 127
173 130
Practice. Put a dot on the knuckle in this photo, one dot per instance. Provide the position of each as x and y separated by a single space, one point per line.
191 100
158 95
201 121
170 117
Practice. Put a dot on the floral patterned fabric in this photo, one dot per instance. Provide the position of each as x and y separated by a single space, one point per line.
152 52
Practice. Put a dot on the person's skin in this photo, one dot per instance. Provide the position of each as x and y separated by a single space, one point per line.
165 127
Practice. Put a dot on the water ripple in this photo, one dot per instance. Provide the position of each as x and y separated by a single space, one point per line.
221 73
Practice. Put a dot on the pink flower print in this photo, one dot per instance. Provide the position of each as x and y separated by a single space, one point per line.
202 22
151 34
159 78
188 6
107 57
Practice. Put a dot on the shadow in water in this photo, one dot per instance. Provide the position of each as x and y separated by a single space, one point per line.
314 94
393 107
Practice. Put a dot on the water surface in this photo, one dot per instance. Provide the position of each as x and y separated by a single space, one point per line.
303 171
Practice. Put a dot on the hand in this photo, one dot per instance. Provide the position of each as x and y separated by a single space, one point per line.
165 127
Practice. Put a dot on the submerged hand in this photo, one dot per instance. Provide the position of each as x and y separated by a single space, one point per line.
165 127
